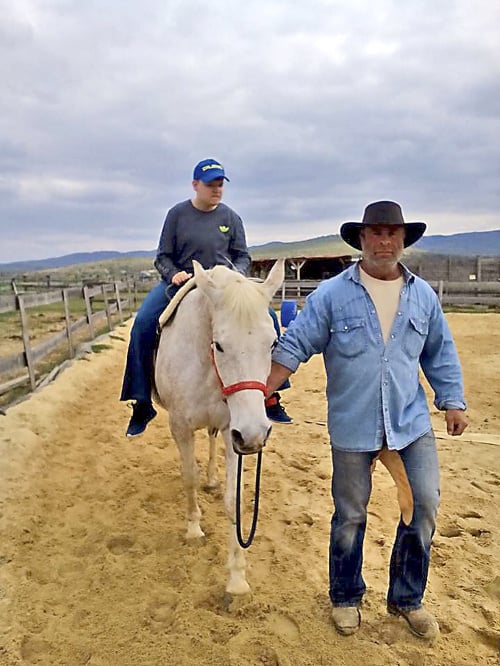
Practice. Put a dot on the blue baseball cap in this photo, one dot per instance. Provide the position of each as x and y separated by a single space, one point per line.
208 170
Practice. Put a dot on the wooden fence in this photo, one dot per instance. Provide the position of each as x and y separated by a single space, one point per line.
104 305
108 302
471 293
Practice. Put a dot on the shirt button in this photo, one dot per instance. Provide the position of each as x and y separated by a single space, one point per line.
392 336
346 328
385 383
399 314
386 360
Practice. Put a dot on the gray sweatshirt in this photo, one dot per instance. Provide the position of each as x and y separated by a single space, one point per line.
212 238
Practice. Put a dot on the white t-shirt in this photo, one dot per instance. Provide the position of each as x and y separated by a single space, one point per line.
385 296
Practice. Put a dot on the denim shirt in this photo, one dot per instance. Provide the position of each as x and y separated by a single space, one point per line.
373 389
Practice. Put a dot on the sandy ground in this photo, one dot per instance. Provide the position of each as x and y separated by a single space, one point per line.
94 567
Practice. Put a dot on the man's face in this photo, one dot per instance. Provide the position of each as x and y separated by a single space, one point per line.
382 244
209 194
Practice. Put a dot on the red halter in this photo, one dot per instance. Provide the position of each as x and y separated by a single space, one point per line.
238 386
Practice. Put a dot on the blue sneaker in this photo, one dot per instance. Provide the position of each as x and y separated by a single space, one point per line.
275 410
144 412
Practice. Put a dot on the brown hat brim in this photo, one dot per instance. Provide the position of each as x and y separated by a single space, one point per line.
350 232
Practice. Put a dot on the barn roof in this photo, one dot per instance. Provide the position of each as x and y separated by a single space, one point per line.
302 257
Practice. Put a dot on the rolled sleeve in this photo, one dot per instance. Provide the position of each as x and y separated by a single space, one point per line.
285 358
443 405
307 335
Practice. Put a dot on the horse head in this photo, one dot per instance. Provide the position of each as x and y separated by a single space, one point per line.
243 338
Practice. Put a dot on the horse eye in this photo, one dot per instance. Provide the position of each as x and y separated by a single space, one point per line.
218 347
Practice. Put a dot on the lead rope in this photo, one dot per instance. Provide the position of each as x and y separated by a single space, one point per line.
241 541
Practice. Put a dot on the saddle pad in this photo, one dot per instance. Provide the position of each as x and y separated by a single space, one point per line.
168 312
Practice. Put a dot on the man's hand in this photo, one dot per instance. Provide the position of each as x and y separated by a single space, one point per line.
456 421
181 277
277 376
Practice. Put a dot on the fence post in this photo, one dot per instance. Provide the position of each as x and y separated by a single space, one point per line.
135 294
118 302
440 291
26 341
479 277
68 322
88 308
129 291
106 306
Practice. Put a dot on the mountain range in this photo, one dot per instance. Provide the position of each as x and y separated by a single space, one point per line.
482 243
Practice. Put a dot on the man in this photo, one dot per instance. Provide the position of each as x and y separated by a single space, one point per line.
375 324
200 228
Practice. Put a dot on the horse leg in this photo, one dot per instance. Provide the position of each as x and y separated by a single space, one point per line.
236 564
190 475
212 478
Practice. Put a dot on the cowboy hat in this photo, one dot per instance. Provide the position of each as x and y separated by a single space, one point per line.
387 213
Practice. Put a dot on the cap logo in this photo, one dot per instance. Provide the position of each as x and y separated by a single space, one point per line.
211 166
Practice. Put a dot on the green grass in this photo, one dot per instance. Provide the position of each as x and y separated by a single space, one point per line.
98 348
469 309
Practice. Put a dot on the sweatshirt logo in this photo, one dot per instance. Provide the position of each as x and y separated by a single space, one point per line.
223 228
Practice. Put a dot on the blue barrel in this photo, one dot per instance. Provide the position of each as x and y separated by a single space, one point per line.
288 312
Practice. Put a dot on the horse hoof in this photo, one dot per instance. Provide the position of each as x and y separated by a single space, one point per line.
211 487
234 602
194 532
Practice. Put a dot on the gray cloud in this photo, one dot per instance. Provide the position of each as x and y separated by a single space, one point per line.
315 110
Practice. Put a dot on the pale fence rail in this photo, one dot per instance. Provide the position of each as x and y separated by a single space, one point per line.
101 302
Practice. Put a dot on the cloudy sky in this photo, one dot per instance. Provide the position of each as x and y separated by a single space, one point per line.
315 108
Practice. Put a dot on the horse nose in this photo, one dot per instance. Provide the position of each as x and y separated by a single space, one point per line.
247 445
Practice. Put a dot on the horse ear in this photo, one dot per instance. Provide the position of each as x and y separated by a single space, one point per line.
200 275
203 278
275 278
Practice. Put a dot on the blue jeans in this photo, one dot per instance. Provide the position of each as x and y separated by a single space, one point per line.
351 489
137 380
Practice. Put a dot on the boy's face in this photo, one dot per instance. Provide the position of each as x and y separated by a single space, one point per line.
208 195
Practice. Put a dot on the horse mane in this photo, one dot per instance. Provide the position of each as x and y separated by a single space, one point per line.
243 297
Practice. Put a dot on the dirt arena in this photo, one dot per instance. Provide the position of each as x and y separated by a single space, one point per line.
94 568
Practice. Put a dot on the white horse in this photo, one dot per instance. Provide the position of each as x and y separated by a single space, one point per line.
211 368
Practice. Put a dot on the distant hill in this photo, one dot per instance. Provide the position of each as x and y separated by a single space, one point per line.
484 243
313 247
71 260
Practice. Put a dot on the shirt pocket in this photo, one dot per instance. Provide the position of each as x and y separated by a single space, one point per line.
415 336
348 336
